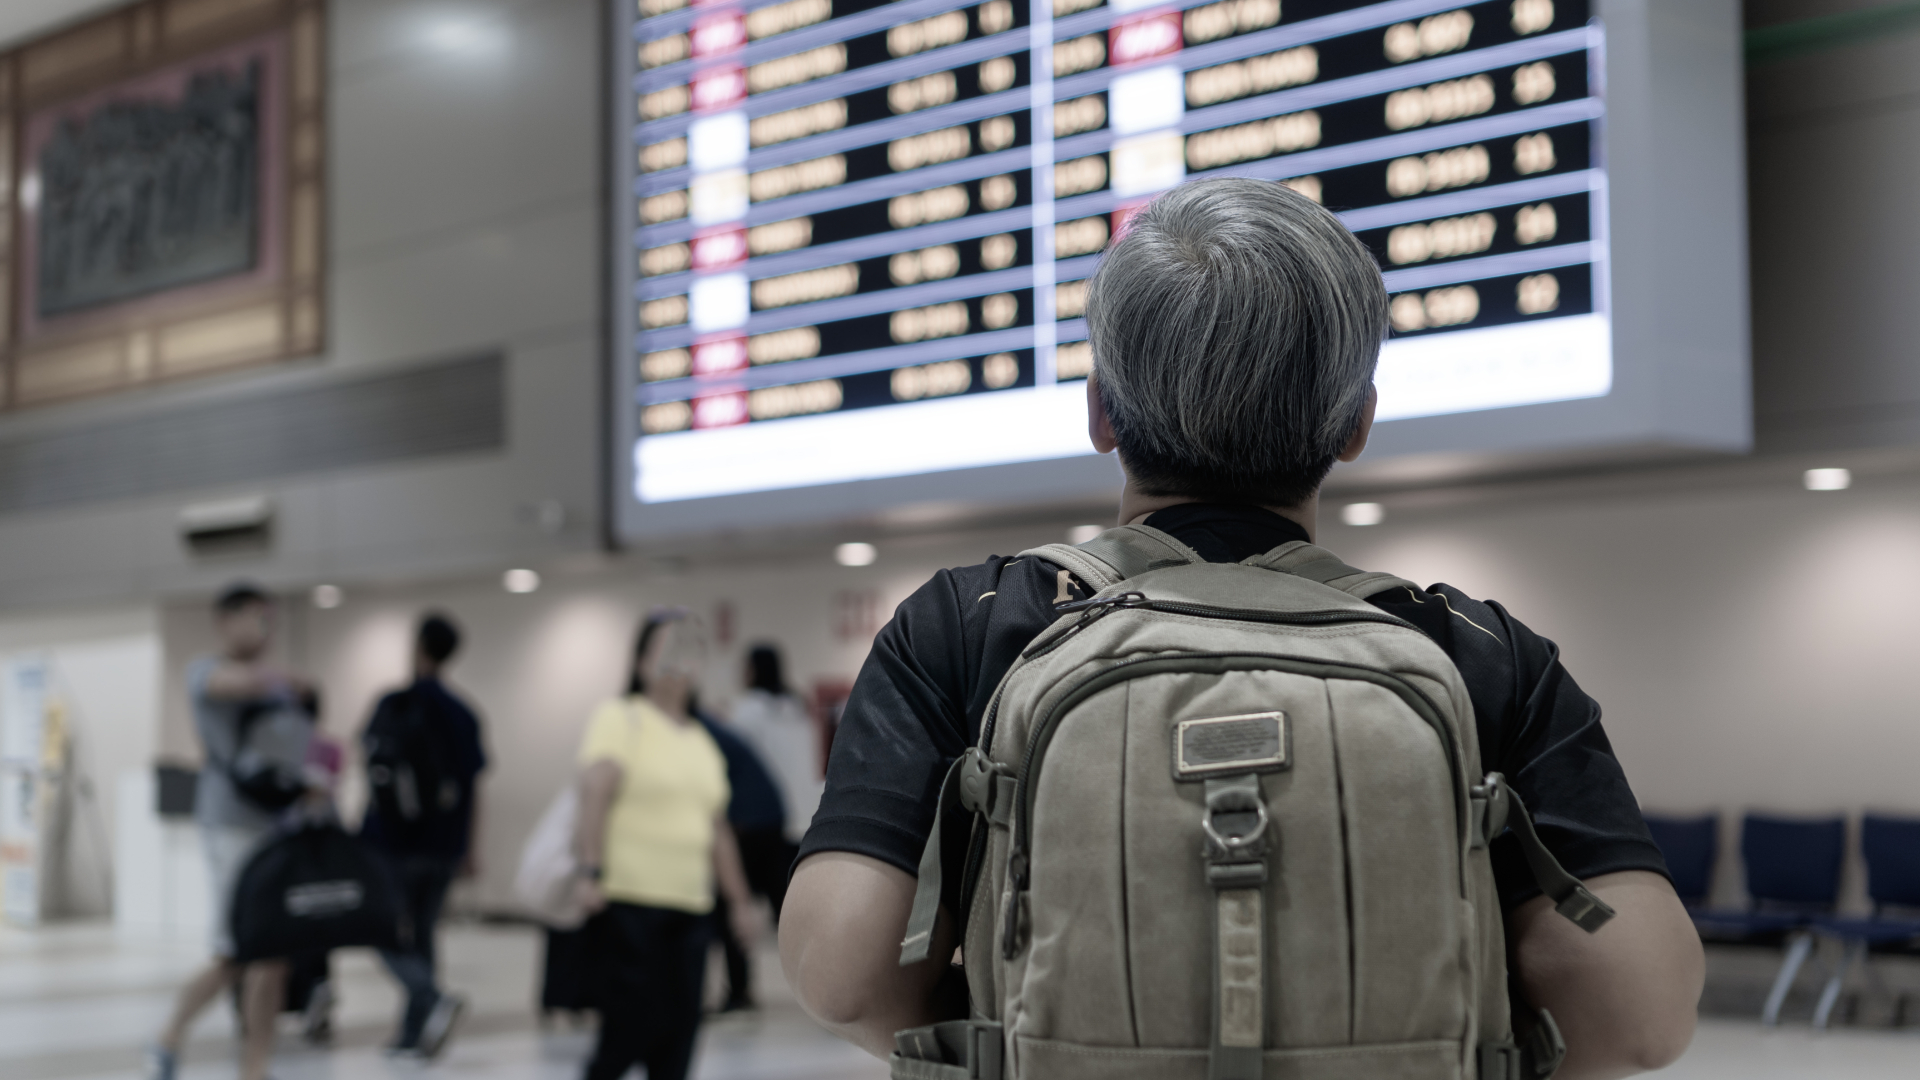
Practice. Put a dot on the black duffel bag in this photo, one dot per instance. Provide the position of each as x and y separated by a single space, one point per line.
312 890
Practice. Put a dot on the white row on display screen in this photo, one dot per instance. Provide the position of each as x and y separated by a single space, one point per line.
862 232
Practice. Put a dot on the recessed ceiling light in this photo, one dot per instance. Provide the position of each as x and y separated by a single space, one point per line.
520 581
1367 513
1827 479
1080 534
855 554
328 596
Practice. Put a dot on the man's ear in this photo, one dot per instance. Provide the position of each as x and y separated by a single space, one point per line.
1100 429
1358 442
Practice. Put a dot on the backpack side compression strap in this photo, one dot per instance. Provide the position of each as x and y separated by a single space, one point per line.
955 1050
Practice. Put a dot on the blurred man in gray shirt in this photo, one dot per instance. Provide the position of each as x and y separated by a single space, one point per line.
224 690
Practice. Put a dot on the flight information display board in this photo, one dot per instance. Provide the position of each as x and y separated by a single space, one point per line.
854 238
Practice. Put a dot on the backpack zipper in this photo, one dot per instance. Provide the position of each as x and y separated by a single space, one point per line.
1018 859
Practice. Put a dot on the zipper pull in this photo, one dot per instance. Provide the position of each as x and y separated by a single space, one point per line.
1013 919
1092 602
1091 610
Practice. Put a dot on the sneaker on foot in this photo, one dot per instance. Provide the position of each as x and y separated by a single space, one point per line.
161 1064
317 1018
440 1024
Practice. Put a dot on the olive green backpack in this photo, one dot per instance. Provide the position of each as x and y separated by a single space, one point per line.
1230 823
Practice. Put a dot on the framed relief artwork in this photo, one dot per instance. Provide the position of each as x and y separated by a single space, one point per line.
164 175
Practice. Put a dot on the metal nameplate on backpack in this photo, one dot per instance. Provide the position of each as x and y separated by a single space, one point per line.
1225 745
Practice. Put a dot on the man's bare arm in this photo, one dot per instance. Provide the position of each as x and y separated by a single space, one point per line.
1625 998
235 681
840 934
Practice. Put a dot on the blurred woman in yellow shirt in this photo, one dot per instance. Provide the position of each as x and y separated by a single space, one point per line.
652 843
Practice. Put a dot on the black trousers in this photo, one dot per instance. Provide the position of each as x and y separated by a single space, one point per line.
655 962
767 857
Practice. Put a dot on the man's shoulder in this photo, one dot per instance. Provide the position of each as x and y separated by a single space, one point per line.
971 594
961 580
1458 621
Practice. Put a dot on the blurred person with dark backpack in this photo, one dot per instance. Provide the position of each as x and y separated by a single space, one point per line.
424 758
253 721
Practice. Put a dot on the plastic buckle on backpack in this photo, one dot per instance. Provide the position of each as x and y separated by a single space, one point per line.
985 786
1488 800
1542 1049
1501 1061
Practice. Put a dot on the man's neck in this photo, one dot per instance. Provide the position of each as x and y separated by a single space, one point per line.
1136 506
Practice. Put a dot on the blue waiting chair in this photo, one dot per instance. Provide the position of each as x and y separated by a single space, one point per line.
1793 879
1891 847
1690 847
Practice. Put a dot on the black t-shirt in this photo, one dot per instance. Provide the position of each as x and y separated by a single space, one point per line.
921 695
449 834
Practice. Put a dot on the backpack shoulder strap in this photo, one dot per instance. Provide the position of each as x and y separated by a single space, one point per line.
1118 554
1302 559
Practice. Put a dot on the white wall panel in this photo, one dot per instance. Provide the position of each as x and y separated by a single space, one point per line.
1835 147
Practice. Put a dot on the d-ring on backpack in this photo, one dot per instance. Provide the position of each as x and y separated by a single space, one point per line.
1230 824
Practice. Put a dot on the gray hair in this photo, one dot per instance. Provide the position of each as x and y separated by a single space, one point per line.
1235 330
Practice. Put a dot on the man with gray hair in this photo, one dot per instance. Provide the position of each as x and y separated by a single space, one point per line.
1235 329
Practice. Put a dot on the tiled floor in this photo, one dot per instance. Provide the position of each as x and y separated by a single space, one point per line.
77 1002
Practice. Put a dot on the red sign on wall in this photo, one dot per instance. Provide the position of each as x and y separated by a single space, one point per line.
718 33
718 249
1144 38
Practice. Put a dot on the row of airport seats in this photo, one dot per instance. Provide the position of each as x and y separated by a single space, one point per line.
1792 870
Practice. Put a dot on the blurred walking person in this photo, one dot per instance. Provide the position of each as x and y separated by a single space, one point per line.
424 760
235 696
652 842
781 730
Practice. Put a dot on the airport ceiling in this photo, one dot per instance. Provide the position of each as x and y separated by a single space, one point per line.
23 20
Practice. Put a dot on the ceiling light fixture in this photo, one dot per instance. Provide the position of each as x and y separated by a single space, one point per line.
1827 479
855 554
1366 513
520 581
328 597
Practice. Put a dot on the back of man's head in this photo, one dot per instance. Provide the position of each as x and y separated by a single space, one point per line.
1235 329
439 638
763 661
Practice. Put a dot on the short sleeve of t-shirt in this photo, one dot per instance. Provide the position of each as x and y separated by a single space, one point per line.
217 724
608 736
659 836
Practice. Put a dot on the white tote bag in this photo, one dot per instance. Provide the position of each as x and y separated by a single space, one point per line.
545 881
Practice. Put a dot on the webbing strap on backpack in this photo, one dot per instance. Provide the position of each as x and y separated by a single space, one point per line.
1495 807
1236 829
972 783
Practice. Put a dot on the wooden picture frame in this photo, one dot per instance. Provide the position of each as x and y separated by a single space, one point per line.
164 178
